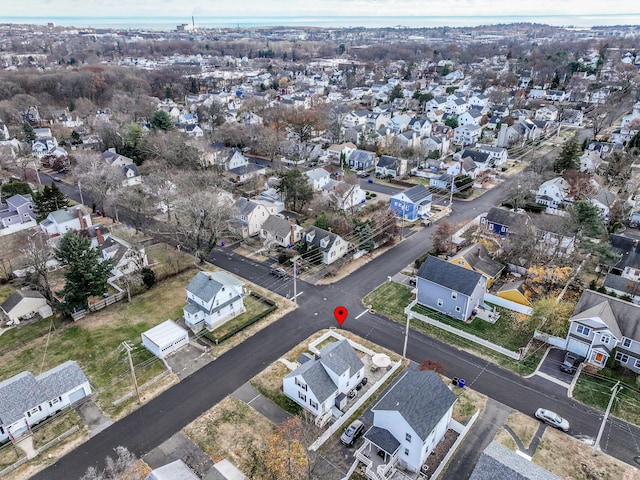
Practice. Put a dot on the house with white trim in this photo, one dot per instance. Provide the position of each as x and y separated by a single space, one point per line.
331 246
408 422
213 298
16 214
321 384
602 326
27 399
61 221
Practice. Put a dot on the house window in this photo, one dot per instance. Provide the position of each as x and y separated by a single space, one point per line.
582 330
302 396
407 437
454 295
440 302
637 364
406 452
457 309
605 339
313 404
626 342
622 358
303 386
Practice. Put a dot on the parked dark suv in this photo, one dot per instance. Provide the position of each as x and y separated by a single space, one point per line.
571 362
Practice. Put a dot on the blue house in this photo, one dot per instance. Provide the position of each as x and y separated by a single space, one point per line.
412 204
449 288
503 222
362 160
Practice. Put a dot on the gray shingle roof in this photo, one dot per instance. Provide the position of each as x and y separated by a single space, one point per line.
277 226
204 286
500 216
421 398
451 276
16 297
499 463
340 357
622 318
479 259
23 391
418 193
318 235
337 357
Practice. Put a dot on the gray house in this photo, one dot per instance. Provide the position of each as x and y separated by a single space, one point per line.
449 288
497 461
362 160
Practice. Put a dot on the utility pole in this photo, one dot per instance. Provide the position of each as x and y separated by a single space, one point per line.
406 337
128 348
295 279
80 189
614 391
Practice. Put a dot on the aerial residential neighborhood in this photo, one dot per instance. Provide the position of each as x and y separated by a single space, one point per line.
319 252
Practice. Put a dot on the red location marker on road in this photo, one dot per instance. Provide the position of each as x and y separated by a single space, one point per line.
340 313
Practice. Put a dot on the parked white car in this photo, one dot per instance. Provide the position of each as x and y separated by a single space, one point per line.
553 419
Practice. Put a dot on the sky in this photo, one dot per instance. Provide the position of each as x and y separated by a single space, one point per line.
270 8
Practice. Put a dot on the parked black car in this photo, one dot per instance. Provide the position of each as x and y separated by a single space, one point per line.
571 362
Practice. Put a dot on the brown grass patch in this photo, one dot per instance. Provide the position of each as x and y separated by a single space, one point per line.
469 401
232 430
524 426
571 459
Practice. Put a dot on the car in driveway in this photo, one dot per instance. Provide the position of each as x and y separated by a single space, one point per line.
571 362
553 419
353 431
279 272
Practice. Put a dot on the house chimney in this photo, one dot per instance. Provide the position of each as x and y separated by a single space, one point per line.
99 236
83 222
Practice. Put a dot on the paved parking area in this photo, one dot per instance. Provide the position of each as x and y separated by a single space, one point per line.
92 416
187 360
179 447
550 368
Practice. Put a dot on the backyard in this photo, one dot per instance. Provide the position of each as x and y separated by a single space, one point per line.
390 299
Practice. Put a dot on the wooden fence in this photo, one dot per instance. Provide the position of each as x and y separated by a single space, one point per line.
99 305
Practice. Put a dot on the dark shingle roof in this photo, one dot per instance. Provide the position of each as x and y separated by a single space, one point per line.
479 259
382 438
510 219
499 463
622 284
418 193
421 398
449 275
16 297
475 155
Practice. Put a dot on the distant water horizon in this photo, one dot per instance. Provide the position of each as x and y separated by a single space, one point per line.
165 23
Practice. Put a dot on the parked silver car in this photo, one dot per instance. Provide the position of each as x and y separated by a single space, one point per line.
553 419
352 432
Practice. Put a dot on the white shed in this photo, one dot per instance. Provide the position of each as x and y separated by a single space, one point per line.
165 338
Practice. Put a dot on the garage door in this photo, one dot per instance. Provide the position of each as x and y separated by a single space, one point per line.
578 347
77 395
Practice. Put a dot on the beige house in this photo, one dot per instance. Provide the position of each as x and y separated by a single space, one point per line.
249 217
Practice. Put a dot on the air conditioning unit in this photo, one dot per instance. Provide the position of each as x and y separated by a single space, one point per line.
424 469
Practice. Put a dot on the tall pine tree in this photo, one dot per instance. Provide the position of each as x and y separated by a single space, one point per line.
49 200
86 273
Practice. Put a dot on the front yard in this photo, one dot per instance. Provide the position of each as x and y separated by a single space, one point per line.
596 391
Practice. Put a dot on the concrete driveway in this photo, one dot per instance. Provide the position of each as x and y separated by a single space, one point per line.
187 360
92 416
550 368
179 447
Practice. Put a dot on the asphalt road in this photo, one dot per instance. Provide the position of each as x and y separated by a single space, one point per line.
156 421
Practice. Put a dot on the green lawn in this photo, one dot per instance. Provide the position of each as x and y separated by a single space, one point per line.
391 298
596 391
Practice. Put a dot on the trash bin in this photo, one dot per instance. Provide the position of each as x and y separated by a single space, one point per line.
454 380
461 382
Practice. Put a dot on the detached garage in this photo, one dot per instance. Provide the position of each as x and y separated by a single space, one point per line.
165 338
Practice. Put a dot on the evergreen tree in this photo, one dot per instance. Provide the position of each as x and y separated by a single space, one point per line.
161 120
322 221
295 189
86 274
451 121
568 159
396 92
14 188
29 133
49 200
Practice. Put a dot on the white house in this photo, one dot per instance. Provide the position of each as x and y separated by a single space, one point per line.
408 422
332 247
250 216
125 258
126 166
344 196
320 384
467 134
497 155
23 304
318 178
61 221
213 298
27 399
280 231
165 338
553 193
